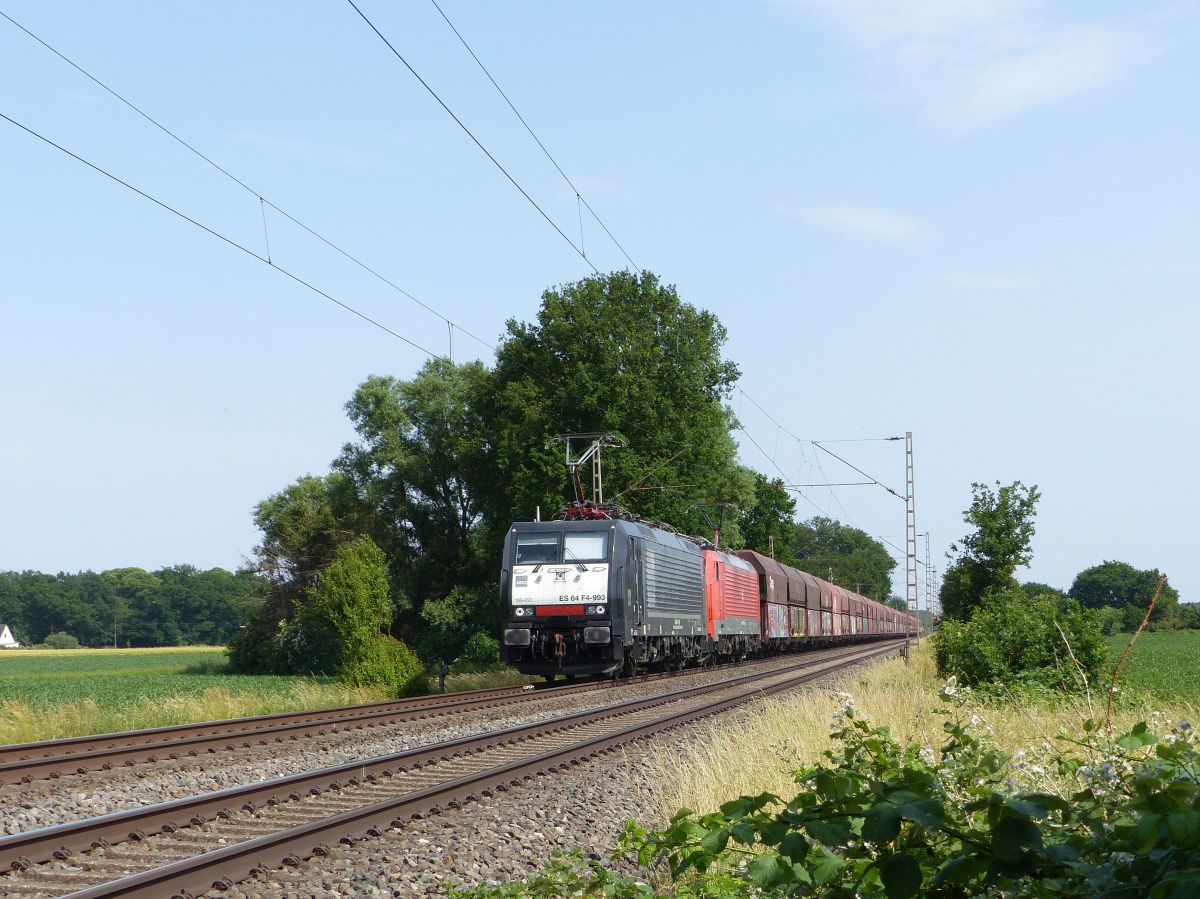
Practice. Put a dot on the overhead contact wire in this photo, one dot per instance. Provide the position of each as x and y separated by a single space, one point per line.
537 140
471 135
217 234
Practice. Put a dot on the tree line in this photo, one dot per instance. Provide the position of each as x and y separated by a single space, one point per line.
172 606
443 463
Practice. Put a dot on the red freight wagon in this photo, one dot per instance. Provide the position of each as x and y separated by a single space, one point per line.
772 582
773 593
796 601
732 588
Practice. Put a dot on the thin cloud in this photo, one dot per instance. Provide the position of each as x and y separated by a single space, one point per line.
978 281
863 222
969 63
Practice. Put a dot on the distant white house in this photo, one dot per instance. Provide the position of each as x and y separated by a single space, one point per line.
7 640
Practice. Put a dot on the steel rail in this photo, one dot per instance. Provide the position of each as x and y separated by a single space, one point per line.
27 762
25 849
223 867
34 758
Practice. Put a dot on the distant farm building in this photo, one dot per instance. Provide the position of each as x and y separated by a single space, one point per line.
7 640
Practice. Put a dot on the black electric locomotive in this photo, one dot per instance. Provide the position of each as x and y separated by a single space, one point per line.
600 596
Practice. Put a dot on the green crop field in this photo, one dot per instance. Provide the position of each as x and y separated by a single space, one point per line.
113 677
45 694
1166 664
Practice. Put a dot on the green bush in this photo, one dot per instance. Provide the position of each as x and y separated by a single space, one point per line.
481 653
253 650
60 640
307 645
1015 639
877 819
448 621
351 599
385 661
1111 620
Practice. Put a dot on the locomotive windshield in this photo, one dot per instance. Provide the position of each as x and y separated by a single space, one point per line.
551 549
534 549
585 547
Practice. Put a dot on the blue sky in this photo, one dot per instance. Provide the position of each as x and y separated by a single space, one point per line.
971 219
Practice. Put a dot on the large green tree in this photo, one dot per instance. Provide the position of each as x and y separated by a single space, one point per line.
1120 585
985 560
417 470
844 555
619 353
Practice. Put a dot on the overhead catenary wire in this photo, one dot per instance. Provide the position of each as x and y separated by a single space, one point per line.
471 135
578 196
217 234
796 487
263 200
856 468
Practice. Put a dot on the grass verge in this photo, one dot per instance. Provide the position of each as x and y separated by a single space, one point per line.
758 750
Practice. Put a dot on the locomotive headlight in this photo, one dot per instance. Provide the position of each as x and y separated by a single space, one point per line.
518 611
599 610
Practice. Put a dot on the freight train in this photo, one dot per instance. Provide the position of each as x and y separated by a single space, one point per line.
610 596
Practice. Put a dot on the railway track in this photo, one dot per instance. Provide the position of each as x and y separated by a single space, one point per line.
27 762
219 838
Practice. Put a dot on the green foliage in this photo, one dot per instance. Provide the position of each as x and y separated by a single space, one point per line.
845 555
619 353
877 819
351 608
1111 620
351 597
1120 585
1013 638
338 625
964 585
60 640
985 559
1036 588
448 622
770 520
417 470
480 653
384 661
128 606
304 645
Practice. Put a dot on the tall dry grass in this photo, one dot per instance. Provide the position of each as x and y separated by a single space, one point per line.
759 749
22 723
